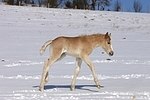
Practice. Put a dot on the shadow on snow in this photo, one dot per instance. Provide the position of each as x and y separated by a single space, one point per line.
80 87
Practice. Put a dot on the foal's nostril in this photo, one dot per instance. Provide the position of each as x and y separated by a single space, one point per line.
111 53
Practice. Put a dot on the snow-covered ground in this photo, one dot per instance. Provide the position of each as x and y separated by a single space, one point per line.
23 30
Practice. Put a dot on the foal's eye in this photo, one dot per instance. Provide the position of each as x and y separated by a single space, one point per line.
108 42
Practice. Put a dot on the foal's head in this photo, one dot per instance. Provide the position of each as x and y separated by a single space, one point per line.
107 44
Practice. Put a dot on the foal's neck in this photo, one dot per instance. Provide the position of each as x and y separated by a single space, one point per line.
96 39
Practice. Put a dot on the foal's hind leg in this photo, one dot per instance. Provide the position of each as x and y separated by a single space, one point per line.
76 72
44 78
47 77
47 65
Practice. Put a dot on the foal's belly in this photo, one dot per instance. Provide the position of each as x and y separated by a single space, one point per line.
72 54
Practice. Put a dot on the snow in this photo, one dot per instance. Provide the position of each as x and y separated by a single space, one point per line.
23 30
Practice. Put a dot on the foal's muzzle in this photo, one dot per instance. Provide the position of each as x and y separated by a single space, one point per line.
111 53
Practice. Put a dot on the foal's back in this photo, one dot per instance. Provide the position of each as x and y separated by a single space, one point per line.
76 45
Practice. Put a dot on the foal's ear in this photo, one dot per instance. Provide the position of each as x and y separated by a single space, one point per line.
110 34
106 35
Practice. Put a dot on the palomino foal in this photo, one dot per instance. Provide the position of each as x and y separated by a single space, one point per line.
79 47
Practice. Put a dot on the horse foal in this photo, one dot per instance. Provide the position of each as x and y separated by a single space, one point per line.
79 47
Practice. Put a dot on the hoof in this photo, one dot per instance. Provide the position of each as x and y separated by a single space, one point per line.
72 88
41 89
98 86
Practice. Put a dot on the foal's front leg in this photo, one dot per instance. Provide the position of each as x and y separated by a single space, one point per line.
76 73
89 63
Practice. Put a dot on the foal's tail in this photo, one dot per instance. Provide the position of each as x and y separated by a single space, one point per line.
44 46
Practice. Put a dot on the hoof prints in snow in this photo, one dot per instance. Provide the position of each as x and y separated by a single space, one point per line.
88 77
59 95
23 63
19 77
29 63
117 61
